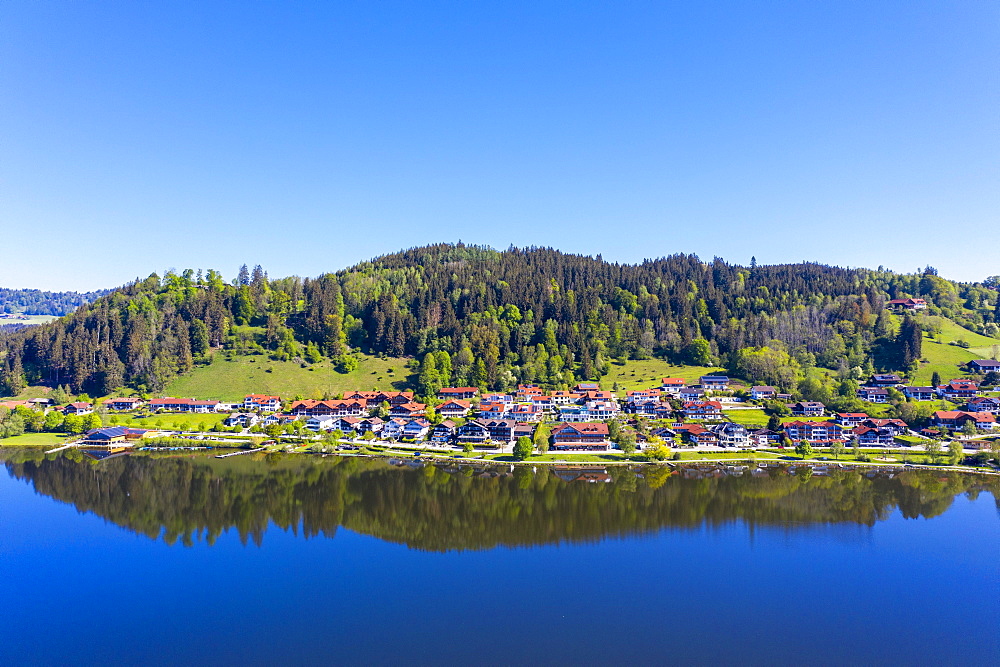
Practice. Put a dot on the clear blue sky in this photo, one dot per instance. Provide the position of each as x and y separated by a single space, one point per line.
137 136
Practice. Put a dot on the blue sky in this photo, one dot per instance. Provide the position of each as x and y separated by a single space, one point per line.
139 136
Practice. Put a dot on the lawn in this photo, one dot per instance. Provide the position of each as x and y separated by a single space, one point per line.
232 380
35 440
168 421
648 372
945 358
756 418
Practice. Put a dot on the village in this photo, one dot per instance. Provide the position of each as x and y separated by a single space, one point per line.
715 413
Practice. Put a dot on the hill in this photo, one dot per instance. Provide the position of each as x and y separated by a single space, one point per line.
39 302
493 319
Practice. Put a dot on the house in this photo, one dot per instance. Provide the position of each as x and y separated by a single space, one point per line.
560 397
763 393
261 402
526 391
814 432
764 437
920 393
868 436
602 410
956 419
983 366
691 394
700 436
170 404
884 380
573 413
494 410
241 419
894 426
849 420
506 399
123 404
443 433
873 394
956 390
525 412
473 431
369 425
320 423
907 304
415 429
393 429
78 408
500 430
591 436
984 404
460 393
714 382
808 409
672 385
523 429
708 410
583 387
731 434
408 410
543 403
203 407
275 418
634 398
454 407
346 424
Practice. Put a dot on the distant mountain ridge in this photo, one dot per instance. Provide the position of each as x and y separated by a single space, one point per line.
40 302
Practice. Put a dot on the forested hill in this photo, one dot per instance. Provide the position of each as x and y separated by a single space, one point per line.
38 302
496 318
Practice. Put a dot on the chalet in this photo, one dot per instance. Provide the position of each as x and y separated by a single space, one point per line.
955 419
983 366
884 380
543 403
460 393
169 404
956 390
920 393
984 404
78 408
526 391
849 420
731 434
261 402
895 426
494 410
443 433
691 394
592 436
393 429
868 436
907 304
525 412
714 382
634 398
113 435
506 399
346 424
701 436
602 410
664 432
808 409
500 430
407 410
672 385
873 394
662 411
763 393
123 404
40 402
708 410
275 418
564 397
583 387
596 396
415 429
369 425
346 408
523 429
371 399
242 419
454 407
473 431
814 432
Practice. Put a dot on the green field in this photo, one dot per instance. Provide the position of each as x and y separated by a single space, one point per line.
648 373
232 380
754 418
35 440
945 358
167 421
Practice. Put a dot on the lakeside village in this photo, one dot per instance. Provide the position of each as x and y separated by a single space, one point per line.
704 416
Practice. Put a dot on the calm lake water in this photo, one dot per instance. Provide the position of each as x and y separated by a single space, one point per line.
283 559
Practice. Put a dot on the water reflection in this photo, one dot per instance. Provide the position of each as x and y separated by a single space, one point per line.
463 507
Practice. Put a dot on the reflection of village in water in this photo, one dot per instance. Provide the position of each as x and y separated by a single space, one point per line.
443 505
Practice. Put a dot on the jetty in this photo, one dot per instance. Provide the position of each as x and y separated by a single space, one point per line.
240 453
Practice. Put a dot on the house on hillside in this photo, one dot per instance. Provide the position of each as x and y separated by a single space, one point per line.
460 393
983 366
455 407
714 382
763 393
78 408
957 390
850 420
920 393
984 404
907 304
408 410
707 410
124 404
873 394
808 409
884 380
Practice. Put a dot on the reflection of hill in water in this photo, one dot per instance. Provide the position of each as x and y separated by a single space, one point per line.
461 507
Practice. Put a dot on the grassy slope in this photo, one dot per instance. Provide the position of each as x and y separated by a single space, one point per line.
232 380
945 358
647 373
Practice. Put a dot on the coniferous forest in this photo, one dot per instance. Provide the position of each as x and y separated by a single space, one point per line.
496 318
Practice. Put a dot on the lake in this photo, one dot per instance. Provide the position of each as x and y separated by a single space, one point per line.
296 559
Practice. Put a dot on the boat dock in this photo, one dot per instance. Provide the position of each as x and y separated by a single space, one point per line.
245 451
